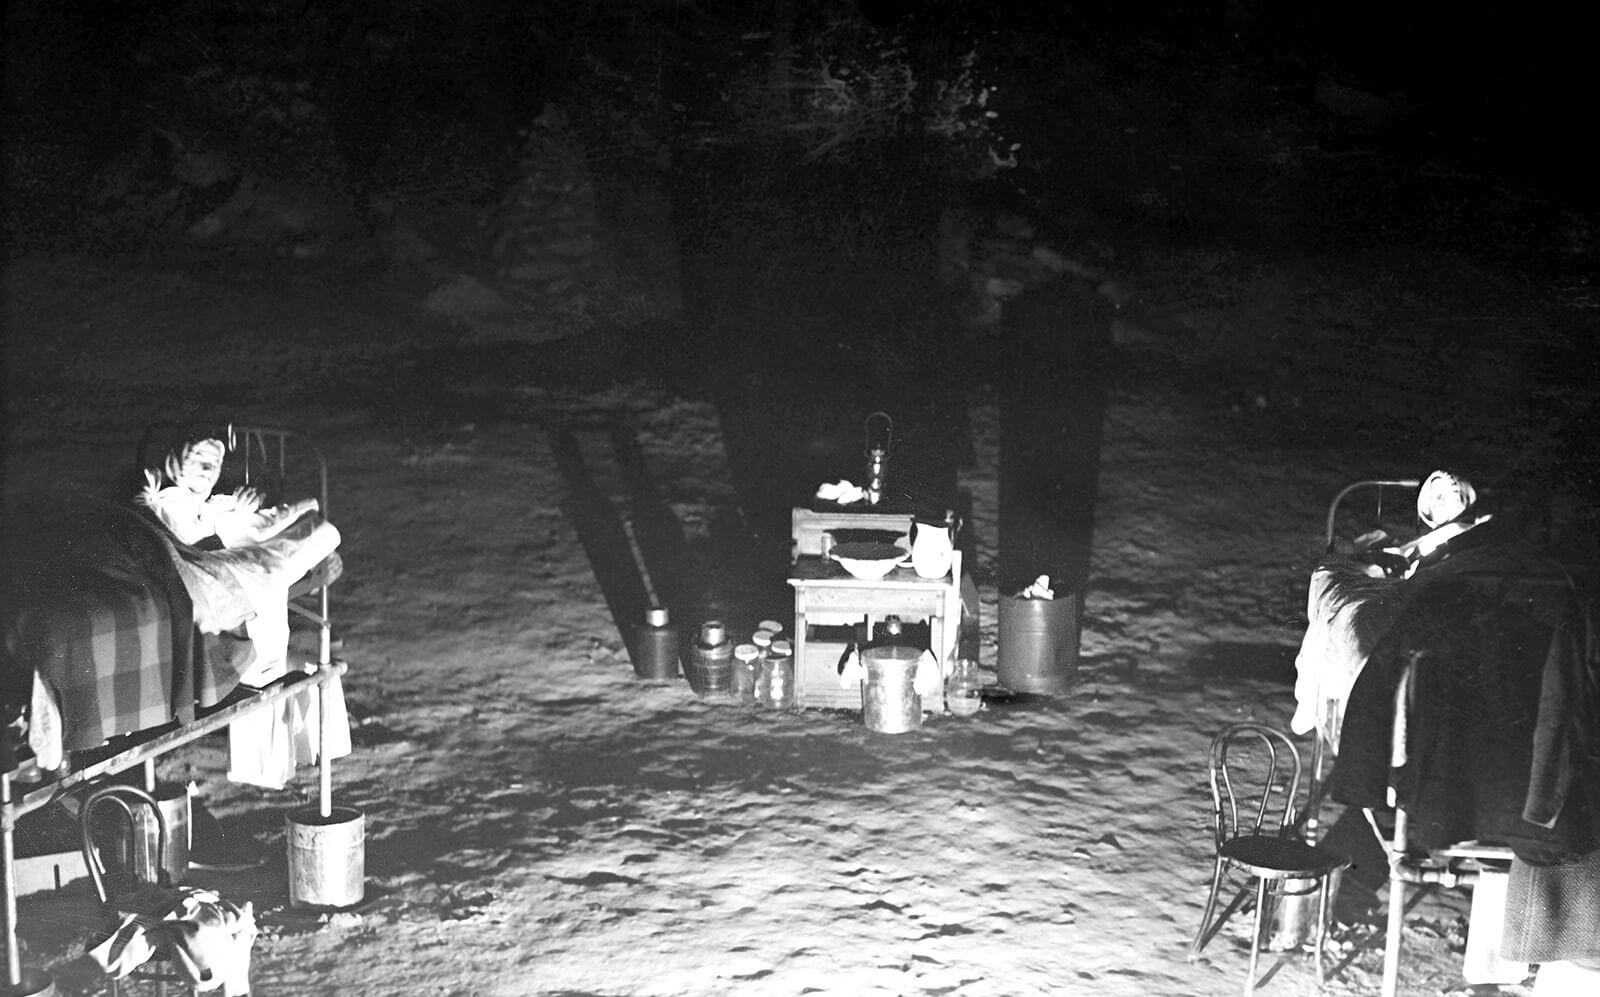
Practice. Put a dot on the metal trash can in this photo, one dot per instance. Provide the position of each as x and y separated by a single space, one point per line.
327 857
1039 641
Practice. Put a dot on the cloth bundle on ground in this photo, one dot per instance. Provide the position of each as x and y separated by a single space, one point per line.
208 939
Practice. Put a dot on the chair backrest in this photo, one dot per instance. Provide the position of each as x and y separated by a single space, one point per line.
1255 771
120 795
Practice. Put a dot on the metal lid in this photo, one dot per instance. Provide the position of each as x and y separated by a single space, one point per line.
762 638
713 632
782 648
656 617
747 652
771 626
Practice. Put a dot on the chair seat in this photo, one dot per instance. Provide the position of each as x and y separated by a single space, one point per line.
1272 857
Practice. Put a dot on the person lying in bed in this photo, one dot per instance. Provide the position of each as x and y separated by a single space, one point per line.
180 490
181 494
1446 505
257 555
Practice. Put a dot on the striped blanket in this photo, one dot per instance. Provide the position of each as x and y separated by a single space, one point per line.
94 605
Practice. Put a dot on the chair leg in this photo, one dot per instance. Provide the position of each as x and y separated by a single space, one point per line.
1211 908
1322 925
1393 935
1255 936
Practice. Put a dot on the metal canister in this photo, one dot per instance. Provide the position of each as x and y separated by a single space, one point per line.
655 647
709 665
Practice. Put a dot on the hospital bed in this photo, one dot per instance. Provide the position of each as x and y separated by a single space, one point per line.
151 692
1473 653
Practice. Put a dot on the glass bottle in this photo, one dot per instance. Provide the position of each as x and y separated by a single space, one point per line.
963 688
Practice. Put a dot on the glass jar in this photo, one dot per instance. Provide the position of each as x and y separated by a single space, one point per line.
775 687
963 688
746 669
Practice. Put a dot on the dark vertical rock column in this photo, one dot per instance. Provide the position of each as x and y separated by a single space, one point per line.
1052 387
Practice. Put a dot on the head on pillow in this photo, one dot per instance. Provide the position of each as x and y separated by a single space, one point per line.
1444 498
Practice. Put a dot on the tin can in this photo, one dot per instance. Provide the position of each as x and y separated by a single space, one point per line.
709 665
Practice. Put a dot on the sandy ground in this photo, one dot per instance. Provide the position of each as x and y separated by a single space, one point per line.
540 822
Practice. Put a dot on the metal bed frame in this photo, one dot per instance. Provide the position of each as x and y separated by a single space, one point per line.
1453 866
263 450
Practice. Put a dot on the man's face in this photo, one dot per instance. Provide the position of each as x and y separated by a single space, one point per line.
201 466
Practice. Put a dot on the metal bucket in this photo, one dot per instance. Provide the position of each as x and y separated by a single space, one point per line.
1292 914
173 800
1039 641
889 703
327 857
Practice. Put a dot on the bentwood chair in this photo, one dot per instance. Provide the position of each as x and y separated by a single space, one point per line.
1255 785
147 898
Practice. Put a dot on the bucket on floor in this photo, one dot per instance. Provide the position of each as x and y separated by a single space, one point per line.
173 800
1038 643
327 857
1292 915
889 703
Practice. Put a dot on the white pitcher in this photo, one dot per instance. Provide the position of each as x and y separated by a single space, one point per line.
932 547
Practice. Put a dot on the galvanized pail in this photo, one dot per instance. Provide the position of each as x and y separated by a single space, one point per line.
1292 911
173 800
889 703
327 857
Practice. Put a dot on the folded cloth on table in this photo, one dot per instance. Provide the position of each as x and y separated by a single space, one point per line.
841 492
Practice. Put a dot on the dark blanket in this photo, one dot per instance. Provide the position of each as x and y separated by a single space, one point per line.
1499 695
93 602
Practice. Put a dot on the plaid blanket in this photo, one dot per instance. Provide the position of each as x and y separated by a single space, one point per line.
94 604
